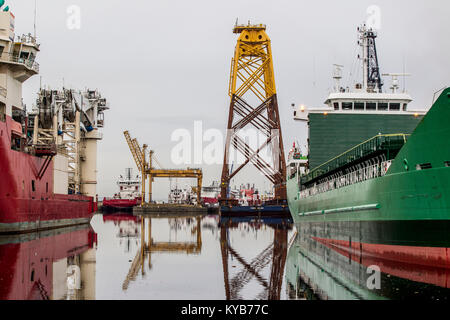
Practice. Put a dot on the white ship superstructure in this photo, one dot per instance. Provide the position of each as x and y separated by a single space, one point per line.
182 196
129 186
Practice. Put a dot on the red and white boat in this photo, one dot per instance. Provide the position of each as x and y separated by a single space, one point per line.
47 156
210 195
249 196
129 193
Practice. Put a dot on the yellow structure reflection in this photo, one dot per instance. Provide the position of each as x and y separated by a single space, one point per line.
149 246
273 255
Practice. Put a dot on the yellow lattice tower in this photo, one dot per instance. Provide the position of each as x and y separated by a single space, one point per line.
252 79
252 66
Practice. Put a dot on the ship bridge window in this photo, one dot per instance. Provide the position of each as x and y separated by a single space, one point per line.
347 105
394 106
33 186
405 106
359 105
382 106
24 55
15 142
336 105
371 106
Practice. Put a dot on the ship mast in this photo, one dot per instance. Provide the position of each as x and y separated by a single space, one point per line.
371 70
337 76
35 16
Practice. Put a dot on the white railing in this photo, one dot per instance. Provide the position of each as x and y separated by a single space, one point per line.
28 39
29 63
356 176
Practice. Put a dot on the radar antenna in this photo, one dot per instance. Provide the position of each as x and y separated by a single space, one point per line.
395 86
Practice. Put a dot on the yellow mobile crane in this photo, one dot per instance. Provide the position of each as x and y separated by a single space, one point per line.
139 159
147 169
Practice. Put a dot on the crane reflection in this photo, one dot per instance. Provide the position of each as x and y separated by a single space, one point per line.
272 257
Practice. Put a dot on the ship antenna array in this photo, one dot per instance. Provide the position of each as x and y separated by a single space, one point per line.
395 85
337 76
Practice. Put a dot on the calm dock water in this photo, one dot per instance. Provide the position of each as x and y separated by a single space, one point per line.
122 256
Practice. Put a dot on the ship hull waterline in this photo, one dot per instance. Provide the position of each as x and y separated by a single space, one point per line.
401 216
27 202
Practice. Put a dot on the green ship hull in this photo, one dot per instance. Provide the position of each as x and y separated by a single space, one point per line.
317 271
402 215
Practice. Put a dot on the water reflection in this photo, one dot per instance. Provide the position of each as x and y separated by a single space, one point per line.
272 257
56 264
319 270
148 245
128 228
123 256
201 257
184 256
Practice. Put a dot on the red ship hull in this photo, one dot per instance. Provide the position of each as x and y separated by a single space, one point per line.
119 204
209 200
27 264
28 203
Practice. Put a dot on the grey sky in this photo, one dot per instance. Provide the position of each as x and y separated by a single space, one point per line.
164 64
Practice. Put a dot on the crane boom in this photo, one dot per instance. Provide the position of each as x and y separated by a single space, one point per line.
139 158
137 154
147 171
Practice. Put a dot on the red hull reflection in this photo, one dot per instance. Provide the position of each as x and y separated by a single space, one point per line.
26 262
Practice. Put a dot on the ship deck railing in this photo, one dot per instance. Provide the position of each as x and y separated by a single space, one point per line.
15 58
386 144
353 177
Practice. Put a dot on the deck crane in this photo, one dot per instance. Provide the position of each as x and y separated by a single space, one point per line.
139 159
148 171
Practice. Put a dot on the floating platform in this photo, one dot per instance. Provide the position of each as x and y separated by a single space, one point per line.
279 211
169 210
